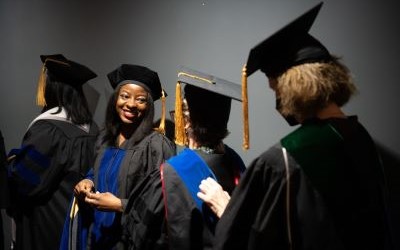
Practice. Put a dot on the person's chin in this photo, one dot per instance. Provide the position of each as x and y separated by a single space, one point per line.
129 120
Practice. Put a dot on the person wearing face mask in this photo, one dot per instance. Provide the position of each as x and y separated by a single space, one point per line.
128 149
322 185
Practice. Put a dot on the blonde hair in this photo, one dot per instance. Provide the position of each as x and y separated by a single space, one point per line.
305 89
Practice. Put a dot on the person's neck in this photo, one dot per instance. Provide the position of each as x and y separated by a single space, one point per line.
193 144
332 110
196 146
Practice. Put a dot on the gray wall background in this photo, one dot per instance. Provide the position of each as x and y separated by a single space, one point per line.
213 36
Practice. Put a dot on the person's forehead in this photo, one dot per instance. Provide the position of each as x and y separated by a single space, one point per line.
131 87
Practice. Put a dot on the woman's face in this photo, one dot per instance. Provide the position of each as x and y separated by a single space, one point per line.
132 103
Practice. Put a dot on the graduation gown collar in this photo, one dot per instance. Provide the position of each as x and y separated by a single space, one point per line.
61 116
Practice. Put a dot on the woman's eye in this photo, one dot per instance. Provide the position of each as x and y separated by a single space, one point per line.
141 100
124 96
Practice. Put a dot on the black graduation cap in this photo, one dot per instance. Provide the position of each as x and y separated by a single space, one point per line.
143 76
212 84
137 74
208 98
63 70
292 45
66 71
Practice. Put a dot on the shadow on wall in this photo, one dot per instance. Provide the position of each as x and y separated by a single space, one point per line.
391 165
92 97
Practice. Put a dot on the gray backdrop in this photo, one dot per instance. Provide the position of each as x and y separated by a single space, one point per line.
213 36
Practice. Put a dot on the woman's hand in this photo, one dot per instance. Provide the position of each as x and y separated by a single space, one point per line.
83 187
104 201
214 196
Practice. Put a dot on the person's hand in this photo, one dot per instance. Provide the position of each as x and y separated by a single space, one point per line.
83 187
104 201
214 196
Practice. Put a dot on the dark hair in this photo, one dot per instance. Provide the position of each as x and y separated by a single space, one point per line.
206 135
113 122
208 114
72 99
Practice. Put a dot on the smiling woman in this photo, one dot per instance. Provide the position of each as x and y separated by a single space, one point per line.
129 148
131 102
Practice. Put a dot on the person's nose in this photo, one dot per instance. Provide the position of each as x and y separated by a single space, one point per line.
131 103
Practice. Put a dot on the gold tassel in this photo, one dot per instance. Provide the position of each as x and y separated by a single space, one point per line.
180 136
40 99
161 128
245 105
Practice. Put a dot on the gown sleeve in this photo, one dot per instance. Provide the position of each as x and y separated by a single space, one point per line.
161 149
43 155
254 204
143 217
256 216
184 220
146 157
143 220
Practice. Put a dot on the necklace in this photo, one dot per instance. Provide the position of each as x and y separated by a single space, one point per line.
205 149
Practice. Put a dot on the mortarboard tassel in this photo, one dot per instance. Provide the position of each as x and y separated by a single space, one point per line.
161 128
245 105
180 136
40 99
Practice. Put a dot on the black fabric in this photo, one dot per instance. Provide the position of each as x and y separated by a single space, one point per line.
210 83
349 214
137 73
4 193
40 208
285 53
145 223
140 160
207 108
291 45
143 220
67 71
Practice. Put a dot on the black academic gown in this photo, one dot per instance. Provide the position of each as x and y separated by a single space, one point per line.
183 225
4 195
54 157
119 170
4 192
336 198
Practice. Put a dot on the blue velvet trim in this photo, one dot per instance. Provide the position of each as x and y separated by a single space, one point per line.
23 170
107 182
40 159
27 174
192 170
